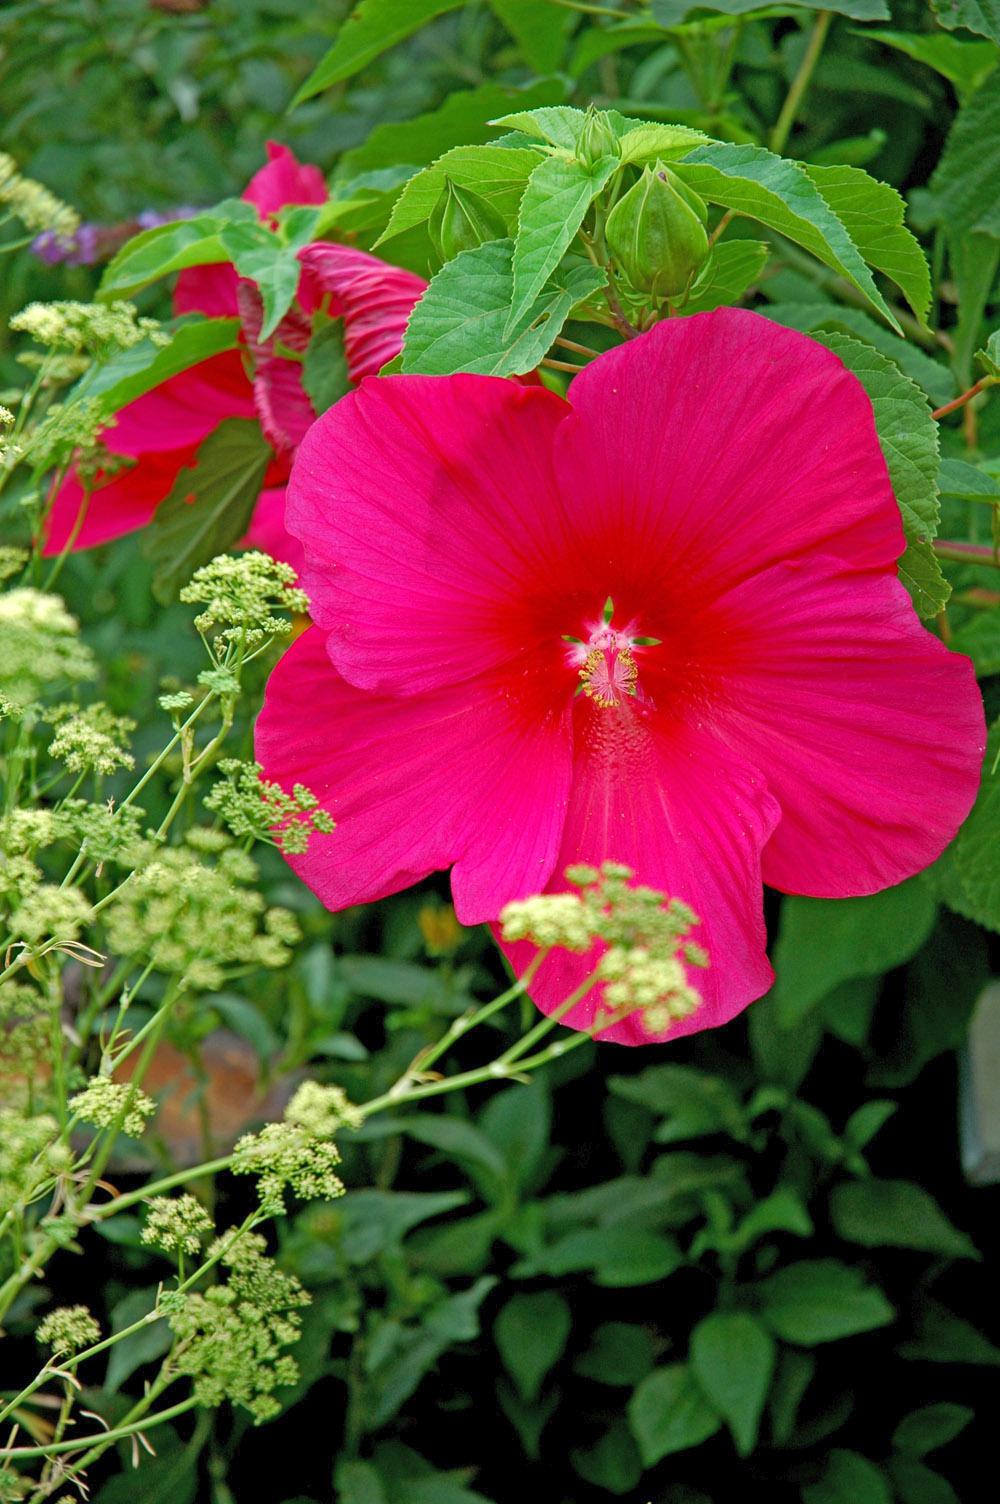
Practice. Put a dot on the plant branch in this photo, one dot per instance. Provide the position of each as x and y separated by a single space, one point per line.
800 83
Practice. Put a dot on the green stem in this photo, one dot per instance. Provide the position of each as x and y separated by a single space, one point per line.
800 83
104 1439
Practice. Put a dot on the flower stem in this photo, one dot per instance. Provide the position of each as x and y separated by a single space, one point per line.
103 1438
800 83
965 553
974 390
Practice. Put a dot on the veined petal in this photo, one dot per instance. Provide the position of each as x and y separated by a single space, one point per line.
871 732
184 409
428 517
120 506
374 299
717 445
473 777
284 180
690 818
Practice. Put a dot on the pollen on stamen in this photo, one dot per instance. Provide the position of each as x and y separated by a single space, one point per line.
609 674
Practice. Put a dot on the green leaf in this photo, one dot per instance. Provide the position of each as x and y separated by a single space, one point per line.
980 639
612 1462
733 1361
555 202
980 16
896 1214
540 31
916 1484
650 142
867 1120
133 372
260 255
989 356
169 248
729 271
169 1477
617 1256
560 125
931 1427
976 850
820 1300
324 368
823 942
872 214
907 433
518 1123
371 29
464 116
619 1354
848 1478
209 505
673 12
965 64
669 1413
935 379
358 1483
966 181
144 1346
461 322
781 195
693 1102
921 573
792 1378
531 1332
374 1220
943 1337
497 173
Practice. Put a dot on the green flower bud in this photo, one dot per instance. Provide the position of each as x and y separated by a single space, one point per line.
461 220
596 138
657 235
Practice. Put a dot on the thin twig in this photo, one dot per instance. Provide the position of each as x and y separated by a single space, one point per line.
800 83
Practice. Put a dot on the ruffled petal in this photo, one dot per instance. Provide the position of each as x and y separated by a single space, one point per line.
374 299
427 512
871 732
477 777
716 445
690 817
280 399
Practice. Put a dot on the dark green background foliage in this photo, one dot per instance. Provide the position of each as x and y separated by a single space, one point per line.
748 1262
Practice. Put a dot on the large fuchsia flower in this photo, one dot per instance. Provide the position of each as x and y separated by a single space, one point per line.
160 432
704 541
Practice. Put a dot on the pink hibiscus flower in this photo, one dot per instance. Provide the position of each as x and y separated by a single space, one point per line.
704 539
161 431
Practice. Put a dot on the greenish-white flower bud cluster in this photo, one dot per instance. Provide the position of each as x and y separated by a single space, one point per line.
241 594
646 951
32 1157
34 205
321 1110
41 645
68 1329
113 1104
176 1224
195 919
253 806
94 740
95 329
231 1338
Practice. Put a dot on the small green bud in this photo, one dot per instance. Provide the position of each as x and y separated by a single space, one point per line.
596 138
461 220
657 235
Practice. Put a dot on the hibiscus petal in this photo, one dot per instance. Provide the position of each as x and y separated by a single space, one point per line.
690 817
375 300
471 776
210 290
282 405
184 409
871 732
122 505
718 444
284 180
427 510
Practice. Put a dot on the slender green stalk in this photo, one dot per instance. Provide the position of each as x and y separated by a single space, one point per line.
104 1439
800 83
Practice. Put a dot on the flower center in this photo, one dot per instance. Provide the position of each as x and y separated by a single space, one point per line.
609 673
605 661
